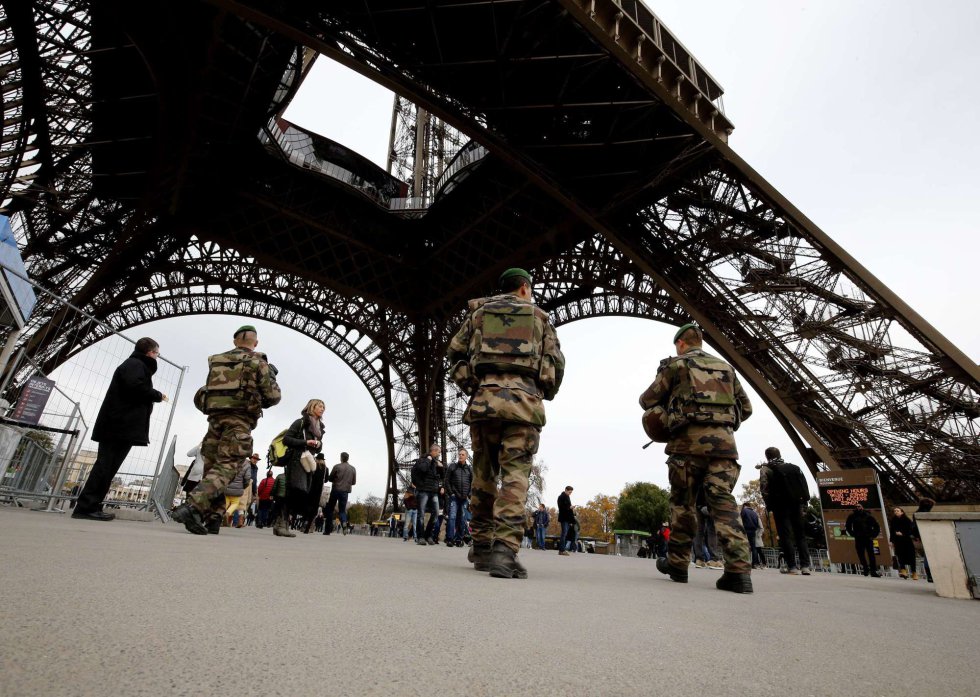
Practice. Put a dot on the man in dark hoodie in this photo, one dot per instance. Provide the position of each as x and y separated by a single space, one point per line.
123 421
862 526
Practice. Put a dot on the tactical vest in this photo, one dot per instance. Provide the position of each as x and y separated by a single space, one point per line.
506 339
232 384
708 395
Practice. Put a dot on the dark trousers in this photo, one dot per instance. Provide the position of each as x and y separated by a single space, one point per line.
756 552
792 539
427 500
866 553
264 517
107 464
563 538
279 510
338 499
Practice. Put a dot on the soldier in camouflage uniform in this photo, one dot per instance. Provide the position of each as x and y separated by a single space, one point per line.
241 383
506 356
704 405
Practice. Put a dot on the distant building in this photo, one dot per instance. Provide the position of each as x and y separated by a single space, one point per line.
79 468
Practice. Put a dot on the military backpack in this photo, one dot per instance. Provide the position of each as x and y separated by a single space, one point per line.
708 397
232 384
506 338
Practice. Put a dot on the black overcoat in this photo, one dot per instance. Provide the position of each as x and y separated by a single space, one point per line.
125 412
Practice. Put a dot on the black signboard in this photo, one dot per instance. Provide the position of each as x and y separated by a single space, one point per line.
848 496
33 399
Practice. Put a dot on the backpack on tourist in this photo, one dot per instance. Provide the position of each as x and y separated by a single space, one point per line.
786 484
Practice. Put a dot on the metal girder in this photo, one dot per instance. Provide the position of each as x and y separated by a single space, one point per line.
674 226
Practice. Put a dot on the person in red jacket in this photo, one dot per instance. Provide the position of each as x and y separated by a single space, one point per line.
265 500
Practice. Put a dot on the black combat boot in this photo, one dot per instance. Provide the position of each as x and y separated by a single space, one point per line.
213 525
479 556
736 583
504 564
675 574
188 515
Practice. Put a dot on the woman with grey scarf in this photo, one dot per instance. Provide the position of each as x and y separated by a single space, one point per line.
304 435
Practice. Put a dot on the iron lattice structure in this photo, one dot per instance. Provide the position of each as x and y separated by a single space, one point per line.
420 148
149 174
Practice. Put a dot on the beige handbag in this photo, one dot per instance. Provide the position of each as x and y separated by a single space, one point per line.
308 461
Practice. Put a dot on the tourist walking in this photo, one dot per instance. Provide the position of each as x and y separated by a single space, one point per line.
506 356
240 384
903 538
541 521
123 422
410 502
706 539
427 475
785 491
703 404
862 526
566 519
265 500
303 442
752 526
343 477
233 494
459 486
195 472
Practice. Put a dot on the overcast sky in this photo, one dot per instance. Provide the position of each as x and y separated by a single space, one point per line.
863 114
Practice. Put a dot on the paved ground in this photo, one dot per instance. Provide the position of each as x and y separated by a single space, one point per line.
129 608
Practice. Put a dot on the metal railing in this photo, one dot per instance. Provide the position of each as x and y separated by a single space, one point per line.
44 460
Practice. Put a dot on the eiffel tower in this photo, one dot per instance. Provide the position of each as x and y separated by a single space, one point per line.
149 173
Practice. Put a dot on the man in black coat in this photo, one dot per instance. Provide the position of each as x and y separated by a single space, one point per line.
785 491
427 476
123 421
459 485
862 526
566 517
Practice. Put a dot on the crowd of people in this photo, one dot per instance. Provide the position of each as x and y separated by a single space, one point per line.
507 358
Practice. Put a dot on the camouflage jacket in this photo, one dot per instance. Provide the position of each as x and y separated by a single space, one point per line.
246 386
507 357
713 440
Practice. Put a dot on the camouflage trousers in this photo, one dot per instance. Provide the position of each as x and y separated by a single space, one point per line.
228 442
688 473
503 449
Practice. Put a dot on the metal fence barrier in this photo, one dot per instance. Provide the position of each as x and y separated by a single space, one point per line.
46 456
820 561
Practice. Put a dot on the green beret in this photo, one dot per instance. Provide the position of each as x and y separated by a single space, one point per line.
510 273
689 325
245 328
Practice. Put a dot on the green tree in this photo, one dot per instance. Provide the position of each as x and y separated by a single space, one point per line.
642 506
356 513
42 438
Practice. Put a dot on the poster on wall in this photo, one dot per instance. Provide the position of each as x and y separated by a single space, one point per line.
840 493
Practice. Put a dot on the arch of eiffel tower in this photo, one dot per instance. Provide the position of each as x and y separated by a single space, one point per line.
149 173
